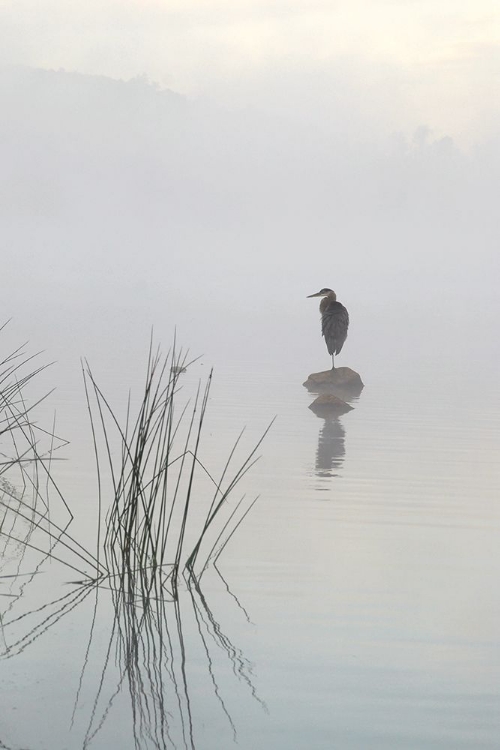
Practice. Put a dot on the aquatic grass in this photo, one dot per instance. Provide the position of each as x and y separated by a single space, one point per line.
156 523
24 501
152 465
26 471
157 528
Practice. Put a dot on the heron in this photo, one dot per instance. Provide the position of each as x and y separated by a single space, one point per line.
334 321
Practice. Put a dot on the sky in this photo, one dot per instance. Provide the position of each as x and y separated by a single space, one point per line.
407 62
174 161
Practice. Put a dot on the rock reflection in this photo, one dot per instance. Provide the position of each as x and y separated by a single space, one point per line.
331 447
333 403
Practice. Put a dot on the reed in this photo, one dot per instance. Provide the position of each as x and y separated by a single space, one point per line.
152 461
157 527
156 523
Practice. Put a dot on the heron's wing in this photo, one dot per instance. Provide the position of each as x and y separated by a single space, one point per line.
334 325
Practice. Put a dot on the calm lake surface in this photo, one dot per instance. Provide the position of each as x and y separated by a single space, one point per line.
359 605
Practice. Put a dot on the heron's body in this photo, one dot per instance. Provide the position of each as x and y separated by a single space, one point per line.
334 321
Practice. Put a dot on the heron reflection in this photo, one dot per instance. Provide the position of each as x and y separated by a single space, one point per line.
331 447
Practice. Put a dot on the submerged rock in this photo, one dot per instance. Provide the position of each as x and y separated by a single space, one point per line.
329 405
340 379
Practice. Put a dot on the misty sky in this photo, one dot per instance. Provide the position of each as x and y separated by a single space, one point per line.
177 160
405 62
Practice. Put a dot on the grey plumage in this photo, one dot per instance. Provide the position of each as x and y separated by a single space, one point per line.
334 321
334 325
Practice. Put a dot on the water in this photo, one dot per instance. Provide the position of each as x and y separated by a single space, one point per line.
366 611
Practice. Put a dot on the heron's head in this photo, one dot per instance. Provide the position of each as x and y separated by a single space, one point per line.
322 293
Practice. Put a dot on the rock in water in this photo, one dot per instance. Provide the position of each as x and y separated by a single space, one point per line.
329 405
330 381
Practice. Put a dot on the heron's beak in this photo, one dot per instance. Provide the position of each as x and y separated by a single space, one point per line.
318 294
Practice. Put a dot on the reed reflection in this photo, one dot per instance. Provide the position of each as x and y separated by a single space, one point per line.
161 655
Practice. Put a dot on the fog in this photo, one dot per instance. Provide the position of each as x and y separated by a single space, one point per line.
198 169
121 199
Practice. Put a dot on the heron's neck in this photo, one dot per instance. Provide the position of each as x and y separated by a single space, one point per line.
326 301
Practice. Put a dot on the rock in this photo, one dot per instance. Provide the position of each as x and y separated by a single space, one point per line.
329 405
330 381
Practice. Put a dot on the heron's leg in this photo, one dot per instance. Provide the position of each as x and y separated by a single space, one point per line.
333 362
